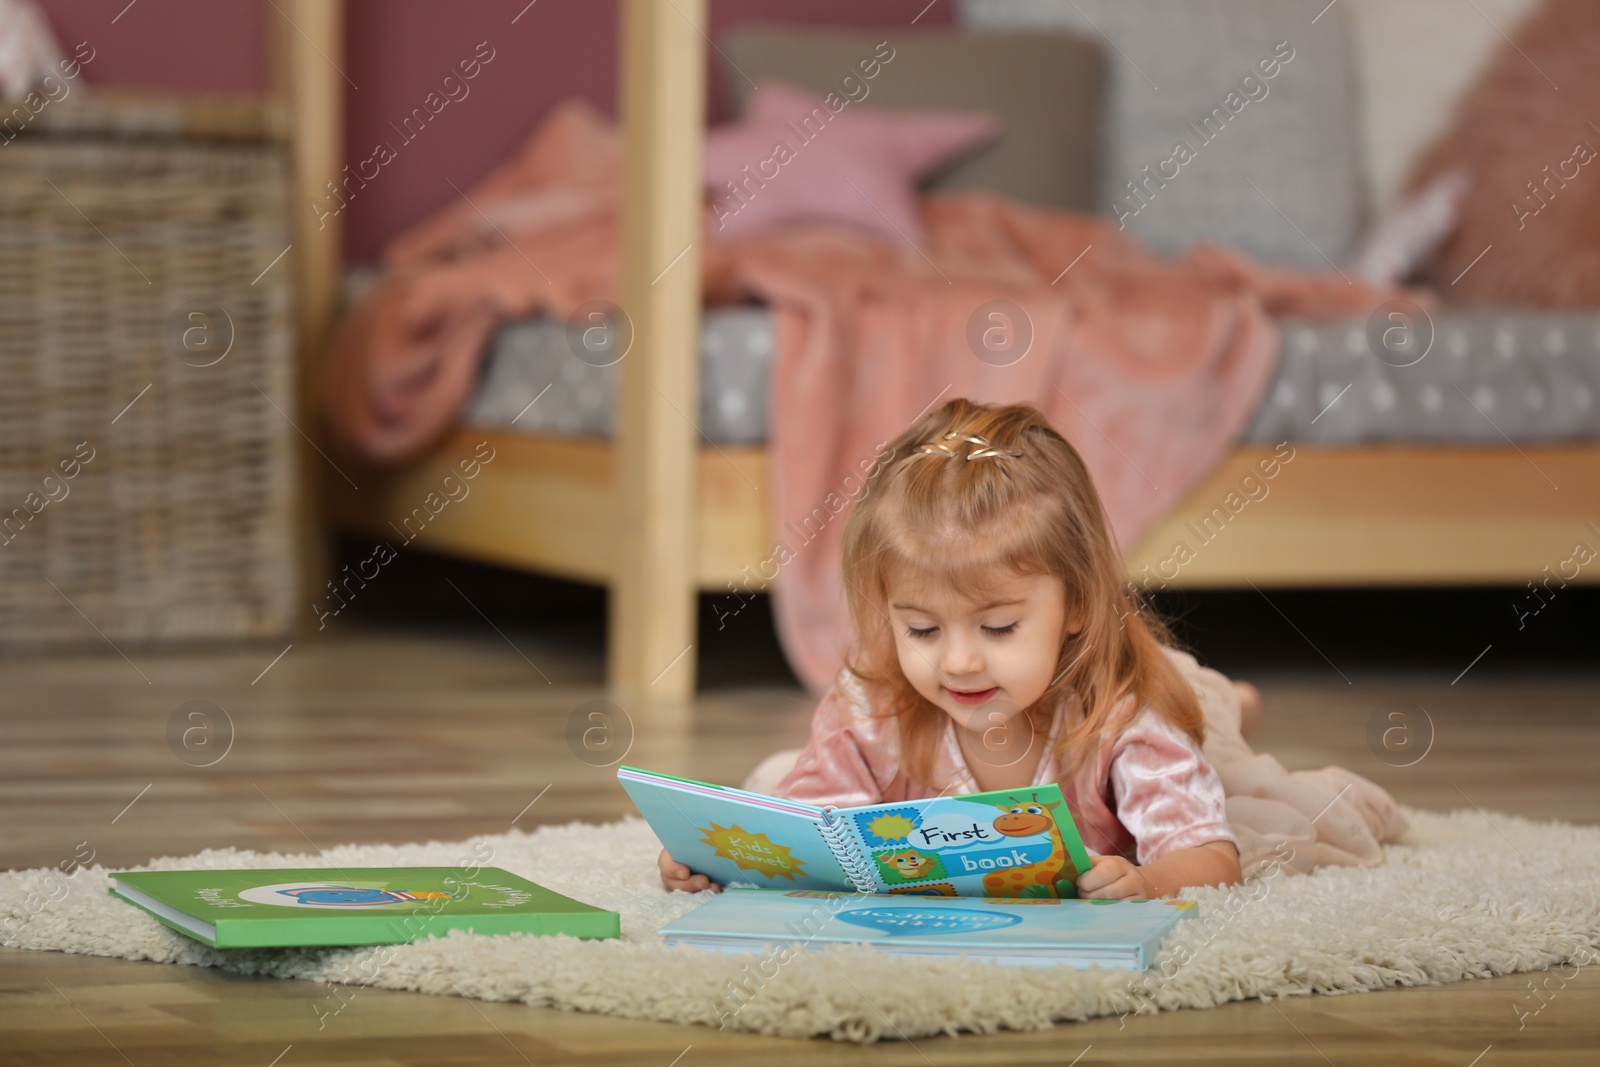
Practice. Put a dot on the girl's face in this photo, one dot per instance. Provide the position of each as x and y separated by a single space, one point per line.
981 661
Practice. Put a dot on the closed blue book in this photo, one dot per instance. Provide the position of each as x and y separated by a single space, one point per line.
1007 843
1019 931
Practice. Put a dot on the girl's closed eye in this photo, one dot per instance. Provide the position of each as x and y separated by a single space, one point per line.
992 631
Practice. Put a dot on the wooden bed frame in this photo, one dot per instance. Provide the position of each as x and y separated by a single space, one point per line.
656 518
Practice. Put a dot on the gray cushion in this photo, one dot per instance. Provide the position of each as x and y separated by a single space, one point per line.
1172 64
1043 88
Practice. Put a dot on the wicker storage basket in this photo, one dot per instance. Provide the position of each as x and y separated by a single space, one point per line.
147 464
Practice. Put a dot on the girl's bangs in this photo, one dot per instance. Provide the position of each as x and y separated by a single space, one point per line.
946 552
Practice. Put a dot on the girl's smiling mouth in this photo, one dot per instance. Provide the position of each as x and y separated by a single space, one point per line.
972 696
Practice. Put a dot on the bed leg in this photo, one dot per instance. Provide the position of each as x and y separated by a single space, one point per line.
652 608
309 95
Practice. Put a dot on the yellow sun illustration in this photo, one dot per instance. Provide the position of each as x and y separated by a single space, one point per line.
752 851
890 827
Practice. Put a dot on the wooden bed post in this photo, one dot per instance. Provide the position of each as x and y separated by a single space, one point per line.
652 608
307 39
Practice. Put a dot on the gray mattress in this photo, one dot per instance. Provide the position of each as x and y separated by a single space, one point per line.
1487 377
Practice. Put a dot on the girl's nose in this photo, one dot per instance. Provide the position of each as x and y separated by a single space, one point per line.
959 656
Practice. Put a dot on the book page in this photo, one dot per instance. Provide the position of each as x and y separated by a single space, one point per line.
1009 843
736 838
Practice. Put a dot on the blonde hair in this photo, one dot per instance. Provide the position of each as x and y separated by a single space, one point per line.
1025 503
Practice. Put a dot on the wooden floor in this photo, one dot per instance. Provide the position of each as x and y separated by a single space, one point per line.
367 735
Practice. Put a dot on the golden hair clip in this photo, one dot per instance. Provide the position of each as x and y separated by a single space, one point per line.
985 449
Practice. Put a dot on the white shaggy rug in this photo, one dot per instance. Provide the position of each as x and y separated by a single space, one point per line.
1467 896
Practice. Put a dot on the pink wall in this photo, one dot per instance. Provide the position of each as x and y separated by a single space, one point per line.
188 46
400 50
397 52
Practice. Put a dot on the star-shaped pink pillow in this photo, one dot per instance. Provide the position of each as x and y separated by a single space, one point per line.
797 156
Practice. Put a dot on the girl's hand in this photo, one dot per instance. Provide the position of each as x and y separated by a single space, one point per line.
675 876
1114 878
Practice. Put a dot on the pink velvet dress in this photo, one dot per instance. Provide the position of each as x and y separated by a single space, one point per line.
1150 791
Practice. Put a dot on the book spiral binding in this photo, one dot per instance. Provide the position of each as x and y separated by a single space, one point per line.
857 868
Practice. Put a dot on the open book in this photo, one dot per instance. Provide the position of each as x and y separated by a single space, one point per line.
1008 843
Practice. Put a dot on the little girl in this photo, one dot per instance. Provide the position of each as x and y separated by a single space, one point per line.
999 648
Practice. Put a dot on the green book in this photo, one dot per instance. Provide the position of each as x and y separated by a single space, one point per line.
309 906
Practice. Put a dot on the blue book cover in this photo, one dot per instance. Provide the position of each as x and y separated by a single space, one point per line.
1008 843
1021 931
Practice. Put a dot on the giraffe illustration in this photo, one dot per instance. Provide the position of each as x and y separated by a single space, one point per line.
1026 820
